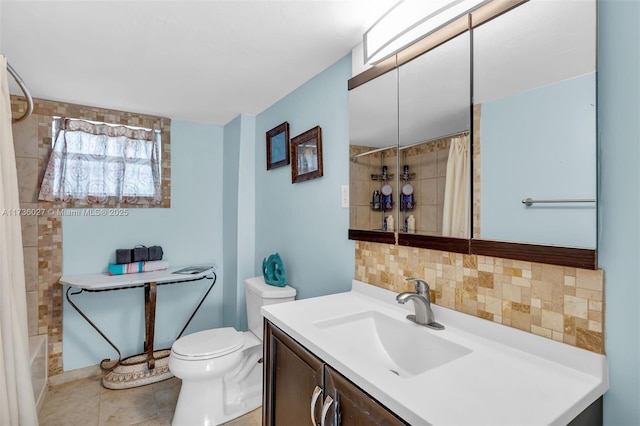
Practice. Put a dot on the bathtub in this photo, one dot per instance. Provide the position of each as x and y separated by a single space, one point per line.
39 367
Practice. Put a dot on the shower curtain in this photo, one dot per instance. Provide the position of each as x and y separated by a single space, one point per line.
457 190
17 403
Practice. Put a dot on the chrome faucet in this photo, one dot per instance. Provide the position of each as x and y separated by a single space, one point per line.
422 303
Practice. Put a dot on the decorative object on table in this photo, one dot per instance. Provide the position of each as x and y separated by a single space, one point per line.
273 271
190 270
155 253
306 153
278 146
139 253
136 267
124 256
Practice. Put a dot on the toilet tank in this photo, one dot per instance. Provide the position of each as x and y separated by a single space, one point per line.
259 294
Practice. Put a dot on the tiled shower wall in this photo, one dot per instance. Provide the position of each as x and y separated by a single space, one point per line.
362 215
560 303
428 165
41 221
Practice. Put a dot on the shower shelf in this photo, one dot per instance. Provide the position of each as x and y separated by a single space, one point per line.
381 178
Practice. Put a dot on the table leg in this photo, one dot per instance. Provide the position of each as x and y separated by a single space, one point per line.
150 321
104 363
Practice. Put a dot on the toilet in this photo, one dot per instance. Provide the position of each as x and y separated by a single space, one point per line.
221 368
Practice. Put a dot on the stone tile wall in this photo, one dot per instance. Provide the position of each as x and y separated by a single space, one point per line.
42 221
428 165
362 215
428 162
560 303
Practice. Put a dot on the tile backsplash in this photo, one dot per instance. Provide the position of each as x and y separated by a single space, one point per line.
560 303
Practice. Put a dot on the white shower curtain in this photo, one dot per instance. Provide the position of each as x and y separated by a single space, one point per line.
457 190
17 403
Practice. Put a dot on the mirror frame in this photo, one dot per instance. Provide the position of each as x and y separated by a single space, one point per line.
538 253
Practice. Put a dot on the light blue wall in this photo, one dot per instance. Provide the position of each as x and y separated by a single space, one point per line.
231 159
619 203
522 159
246 215
305 222
189 232
239 216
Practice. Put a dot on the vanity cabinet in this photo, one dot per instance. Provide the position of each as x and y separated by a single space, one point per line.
297 384
351 405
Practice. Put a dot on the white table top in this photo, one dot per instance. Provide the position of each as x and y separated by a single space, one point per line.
104 281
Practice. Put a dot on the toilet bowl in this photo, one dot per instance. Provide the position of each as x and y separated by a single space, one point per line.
221 368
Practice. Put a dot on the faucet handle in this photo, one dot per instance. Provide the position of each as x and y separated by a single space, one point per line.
422 287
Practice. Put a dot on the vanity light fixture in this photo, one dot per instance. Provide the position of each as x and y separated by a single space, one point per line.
409 20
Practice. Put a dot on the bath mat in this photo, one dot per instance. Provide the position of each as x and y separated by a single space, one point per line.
133 371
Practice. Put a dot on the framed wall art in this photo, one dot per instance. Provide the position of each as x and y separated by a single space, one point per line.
306 153
278 146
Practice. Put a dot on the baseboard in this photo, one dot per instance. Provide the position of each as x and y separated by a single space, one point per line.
70 376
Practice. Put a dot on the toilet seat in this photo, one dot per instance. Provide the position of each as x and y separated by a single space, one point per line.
208 344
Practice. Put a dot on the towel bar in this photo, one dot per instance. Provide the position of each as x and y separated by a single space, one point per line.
529 202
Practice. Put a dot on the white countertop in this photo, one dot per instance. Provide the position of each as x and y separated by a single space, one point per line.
510 377
104 281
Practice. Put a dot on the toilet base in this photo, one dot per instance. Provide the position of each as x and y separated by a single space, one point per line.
214 401
192 413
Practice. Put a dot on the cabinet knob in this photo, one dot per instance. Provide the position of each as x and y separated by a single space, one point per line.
314 399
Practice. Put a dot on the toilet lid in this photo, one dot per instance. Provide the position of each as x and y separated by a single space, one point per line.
209 343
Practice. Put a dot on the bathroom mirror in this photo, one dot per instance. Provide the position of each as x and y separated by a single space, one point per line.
534 125
373 147
434 161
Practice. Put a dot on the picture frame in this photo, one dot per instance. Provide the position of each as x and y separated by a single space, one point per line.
306 155
278 146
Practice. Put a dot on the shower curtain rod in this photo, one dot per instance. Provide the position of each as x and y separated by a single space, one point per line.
26 92
373 151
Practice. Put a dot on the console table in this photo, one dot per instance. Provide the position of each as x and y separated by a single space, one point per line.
150 366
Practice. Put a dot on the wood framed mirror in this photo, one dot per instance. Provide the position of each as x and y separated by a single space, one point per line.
506 48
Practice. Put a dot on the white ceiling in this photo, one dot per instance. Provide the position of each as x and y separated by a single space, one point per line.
203 61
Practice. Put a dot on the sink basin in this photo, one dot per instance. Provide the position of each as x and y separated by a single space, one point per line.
403 348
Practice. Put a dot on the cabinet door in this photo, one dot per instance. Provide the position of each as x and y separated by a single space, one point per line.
353 407
291 373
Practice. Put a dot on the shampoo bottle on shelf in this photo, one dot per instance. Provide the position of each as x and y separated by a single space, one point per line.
411 225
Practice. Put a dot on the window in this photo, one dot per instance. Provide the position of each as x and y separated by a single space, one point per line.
100 163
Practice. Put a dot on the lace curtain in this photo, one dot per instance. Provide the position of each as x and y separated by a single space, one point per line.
96 163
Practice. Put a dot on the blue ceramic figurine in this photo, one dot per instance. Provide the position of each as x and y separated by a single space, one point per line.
273 271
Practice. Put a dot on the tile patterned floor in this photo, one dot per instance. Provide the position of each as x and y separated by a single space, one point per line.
85 402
